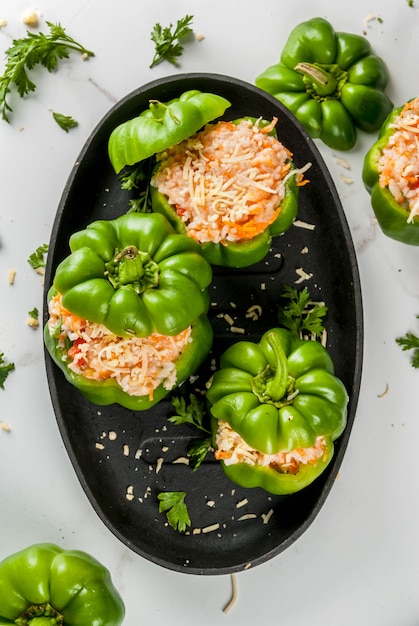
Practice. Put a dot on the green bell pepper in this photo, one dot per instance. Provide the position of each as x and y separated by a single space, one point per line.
162 125
135 276
43 585
279 395
246 252
331 81
393 215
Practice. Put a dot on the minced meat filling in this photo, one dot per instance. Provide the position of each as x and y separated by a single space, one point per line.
399 161
225 182
138 365
232 449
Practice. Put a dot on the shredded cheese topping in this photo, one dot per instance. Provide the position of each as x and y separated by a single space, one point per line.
139 365
226 182
399 161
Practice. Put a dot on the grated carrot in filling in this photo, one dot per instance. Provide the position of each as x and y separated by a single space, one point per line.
227 181
399 161
232 449
138 365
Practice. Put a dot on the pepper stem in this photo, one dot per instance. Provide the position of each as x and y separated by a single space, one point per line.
271 385
158 109
40 615
322 81
133 268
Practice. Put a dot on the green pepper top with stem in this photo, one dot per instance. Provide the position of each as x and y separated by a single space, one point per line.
331 81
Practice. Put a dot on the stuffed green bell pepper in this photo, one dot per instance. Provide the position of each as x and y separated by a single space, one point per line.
232 187
127 310
43 585
391 174
277 408
331 81
162 125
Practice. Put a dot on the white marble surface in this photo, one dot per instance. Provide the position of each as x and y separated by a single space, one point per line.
358 562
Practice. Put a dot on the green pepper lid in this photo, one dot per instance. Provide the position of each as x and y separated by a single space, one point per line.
163 125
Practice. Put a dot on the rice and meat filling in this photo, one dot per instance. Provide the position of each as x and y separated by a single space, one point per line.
138 365
226 182
399 161
232 449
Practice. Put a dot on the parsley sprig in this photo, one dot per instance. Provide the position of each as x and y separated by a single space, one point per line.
410 341
167 40
193 413
5 369
173 504
300 315
64 121
36 259
34 49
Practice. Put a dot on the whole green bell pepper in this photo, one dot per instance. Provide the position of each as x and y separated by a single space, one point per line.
393 216
279 395
43 585
163 125
135 275
331 81
246 252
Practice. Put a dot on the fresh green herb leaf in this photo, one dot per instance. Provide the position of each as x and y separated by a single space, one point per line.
197 451
34 313
36 259
167 40
138 178
64 121
5 369
410 3
34 49
173 503
301 316
192 413
410 342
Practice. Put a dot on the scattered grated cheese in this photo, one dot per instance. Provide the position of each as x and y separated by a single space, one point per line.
237 329
182 459
3 22
246 517
100 446
5 427
112 435
267 516
346 179
303 275
306 225
159 463
32 322
229 319
343 162
211 503
304 250
211 528
385 392
126 450
200 36
242 503
12 274
129 494
254 312
30 18
233 598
